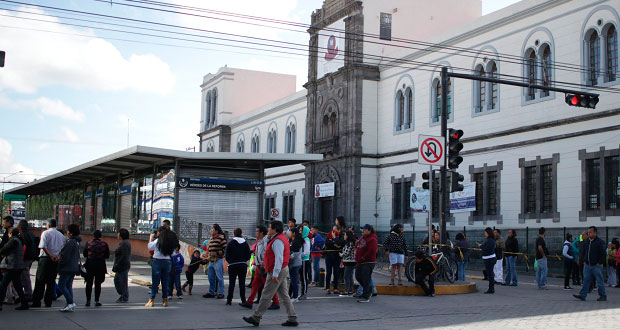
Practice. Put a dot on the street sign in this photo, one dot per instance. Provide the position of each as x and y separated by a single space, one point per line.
13 197
431 150
275 213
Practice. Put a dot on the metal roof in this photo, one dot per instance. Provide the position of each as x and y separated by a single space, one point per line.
141 157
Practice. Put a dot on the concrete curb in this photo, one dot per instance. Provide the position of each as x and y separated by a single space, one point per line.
415 290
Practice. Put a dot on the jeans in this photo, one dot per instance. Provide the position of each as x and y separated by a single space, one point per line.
360 289
235 272
174 281
12 276
65 284
271 288
363 274
420 280
488 266
45 281
511 270
568 270
541 272
611 276
121 283
25 278
348 278
332 265
216 272
295 280
160 272
316 265
588 273
461 270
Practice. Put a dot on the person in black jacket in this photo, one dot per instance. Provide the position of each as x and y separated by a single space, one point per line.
30 255
13 263
194 264
237 255
122 264
489 258
592 254
510 254
396 249
96 252
425 270
333 246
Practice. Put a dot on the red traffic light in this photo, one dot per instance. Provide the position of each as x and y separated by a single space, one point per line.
575 100
582 101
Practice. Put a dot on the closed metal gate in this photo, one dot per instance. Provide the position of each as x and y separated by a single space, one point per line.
125 207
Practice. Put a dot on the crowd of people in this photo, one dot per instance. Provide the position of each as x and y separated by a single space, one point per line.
283 263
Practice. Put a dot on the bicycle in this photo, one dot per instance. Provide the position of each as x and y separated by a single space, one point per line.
446 267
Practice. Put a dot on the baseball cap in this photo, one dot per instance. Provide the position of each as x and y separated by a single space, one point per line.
367 226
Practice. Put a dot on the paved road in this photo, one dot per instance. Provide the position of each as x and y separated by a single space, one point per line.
523 307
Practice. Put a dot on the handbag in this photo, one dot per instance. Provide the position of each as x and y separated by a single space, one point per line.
83 270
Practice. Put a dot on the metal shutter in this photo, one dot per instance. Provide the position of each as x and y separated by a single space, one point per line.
125 200
99 208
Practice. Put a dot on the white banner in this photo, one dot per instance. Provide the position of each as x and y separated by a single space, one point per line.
324 190
419 199
464 201
331 49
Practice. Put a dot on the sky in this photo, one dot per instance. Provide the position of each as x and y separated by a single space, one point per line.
73 93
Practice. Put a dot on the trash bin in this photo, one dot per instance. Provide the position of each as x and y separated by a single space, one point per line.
321 277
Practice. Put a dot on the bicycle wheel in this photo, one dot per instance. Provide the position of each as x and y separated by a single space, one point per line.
410 269
450 270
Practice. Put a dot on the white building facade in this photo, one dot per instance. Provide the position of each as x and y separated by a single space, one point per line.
536 161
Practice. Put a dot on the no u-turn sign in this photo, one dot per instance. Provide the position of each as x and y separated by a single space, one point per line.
431 150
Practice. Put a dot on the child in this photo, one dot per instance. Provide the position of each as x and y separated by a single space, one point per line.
191 269
175 273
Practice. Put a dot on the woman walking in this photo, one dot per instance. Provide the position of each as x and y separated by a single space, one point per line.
96 252
348 259
13 264
163 243
68 265
294 264
237 255
396 249
489 258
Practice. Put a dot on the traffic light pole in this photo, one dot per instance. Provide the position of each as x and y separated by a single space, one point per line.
431 179
443 196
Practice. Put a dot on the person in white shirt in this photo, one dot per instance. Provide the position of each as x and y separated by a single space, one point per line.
50 244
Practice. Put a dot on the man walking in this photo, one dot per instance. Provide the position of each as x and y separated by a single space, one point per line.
498 270
30 255
275 262
510 254
569 260
50 244
592 253
541 260
366 257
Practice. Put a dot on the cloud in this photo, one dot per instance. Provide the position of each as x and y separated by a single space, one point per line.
36 59
46 107
8 165
40 147
68 135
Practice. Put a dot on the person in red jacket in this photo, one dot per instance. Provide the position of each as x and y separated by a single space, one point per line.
366 257
275 262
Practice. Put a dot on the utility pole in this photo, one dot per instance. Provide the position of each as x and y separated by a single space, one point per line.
443 191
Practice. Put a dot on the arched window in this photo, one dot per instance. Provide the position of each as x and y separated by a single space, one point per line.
210 147
400 105
240 145
594 57
208 111
409 108
611 52
290 139
325 126
214 108
532 73
494 86
255 144
436 114
480 103
271 141
334 124
546 66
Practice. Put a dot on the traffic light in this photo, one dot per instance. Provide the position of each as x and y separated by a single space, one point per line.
454 147
456 182
426 176
582 101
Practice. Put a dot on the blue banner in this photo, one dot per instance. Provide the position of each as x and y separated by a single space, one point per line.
88 194
124 190
99 193
464 201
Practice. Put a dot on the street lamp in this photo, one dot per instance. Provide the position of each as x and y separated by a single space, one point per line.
3 182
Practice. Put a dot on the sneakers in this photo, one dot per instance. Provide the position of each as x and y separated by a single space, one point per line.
400 282
580 297
363 301
391 282
246 305
567 288
220 296
98 304
208 295
294 300
251 321
345 294
68 308
121 300
290 324
601 299
179 297
356 295
303 297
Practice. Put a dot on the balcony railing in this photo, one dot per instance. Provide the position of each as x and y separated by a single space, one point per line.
326 145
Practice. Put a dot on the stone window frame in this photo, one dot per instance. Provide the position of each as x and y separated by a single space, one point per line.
266 210
603 212
240 144
484 170
536 41
404 197
538 215
286 199
210 146
485 69
290 138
